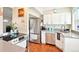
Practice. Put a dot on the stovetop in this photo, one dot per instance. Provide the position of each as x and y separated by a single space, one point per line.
11 37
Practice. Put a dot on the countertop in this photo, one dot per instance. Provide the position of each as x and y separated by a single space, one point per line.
10 37
8 47
70 35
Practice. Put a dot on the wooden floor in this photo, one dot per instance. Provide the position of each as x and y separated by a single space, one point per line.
33 47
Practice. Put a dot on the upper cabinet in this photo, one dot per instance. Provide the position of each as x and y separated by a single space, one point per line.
75 19
58 18
67 18
47 19
54 19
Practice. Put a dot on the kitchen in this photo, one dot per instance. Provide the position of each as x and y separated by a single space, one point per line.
39 29
13 36
59 28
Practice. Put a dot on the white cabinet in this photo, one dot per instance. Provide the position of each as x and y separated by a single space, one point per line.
75 19
62 18
51 19
58 18
67 18
55 19
47 19
71 45
22 44
43 37
59 45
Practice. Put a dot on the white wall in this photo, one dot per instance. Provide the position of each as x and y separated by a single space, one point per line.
20 21
1 20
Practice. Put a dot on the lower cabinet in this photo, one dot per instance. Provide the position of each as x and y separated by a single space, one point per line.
59 44
22 44
50 38
43 37
20 41
71 45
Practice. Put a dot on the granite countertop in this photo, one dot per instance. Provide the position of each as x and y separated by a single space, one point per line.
8 47
10 37
66 35
71 35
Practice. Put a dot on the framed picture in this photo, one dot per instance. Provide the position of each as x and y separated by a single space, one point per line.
21 12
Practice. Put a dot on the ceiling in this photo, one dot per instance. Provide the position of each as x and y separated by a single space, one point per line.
44 10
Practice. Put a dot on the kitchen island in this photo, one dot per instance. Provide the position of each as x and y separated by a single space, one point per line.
8 47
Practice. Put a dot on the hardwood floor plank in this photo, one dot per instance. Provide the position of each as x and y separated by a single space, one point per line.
33 47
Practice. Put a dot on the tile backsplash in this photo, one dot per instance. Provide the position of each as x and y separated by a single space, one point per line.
57 27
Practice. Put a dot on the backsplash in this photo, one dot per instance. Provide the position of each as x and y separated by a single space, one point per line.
56 27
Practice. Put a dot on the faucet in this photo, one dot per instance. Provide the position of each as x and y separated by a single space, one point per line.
62 27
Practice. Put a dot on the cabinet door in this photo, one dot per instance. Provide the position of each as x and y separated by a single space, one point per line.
67 18
62 18
55 19
47 19
22 44
58 18
71 45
